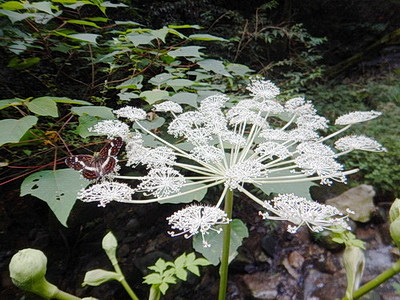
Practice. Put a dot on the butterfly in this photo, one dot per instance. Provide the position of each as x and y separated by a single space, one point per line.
100 163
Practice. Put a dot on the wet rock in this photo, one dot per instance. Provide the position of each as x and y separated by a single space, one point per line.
359 200
296 260
262 286
269 245
322 286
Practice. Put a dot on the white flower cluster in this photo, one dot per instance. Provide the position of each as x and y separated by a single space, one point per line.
257 141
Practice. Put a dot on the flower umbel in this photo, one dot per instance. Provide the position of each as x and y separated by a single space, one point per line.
300 211
261 141
197 219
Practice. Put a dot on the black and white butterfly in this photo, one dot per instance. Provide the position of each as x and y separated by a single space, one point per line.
100 163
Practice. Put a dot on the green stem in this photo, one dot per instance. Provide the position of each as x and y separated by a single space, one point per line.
124 282
389 273
223 270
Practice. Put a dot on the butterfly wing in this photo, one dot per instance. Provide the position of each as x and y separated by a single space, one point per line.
79 162
112 148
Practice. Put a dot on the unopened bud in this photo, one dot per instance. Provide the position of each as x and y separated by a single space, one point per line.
110 245
28 270
394 211
354 262
395 231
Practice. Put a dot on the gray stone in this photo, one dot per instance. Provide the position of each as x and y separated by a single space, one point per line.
359 200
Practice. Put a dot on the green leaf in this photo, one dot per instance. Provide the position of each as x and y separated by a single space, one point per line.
95 111
85 122
214 65
154 96
185 98
43 106
206 37
160 33
82 22
180 82
109 4
98 276
14 16
214 253
140 38
10 102
150 125
11 130
153 278
132 83
58 189
301 189
239 69
45 6
68 100
184 26
197 195
188 51
20 64
160 79
86 37
12 5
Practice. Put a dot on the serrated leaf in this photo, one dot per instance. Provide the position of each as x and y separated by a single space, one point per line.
57 188
153 278
193 269
206 37
43 106
163 288
214 65
214 253
10 102
154 96
301 189
11 130
188 51
98 276
95 111
181 274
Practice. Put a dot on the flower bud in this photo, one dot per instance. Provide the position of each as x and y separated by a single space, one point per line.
394 211
395 231
28 270
110 245
354 262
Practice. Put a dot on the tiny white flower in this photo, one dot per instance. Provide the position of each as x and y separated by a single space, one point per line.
358 142
357 117
105 192
314 149
207 153
168 106
111 128
131 113
161 182
213 102
196 219
313 122
300 211
299 106
159 157
271 149
263 89
243 172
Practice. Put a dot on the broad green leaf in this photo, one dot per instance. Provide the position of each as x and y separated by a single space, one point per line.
239 69
301 189
10 102
57 188
140 38
154 96
45 6
132 83
199 191
160 33
200 75
128 96
150 125
188 51
82 22
11 130
127 23
25 63
206 37
43 106
185 98
95 111
97 277
160 79
15 16
109 4
97 19
68 100
85 122
180 82
12 5
214 65
86 37
214 253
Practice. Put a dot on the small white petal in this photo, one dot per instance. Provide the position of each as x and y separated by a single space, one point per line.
357 117
131 113
358 142
168 106
105 192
